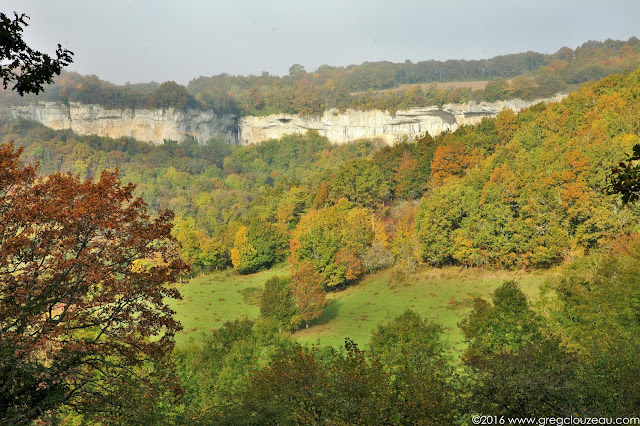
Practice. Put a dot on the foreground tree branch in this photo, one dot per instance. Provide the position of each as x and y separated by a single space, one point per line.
83 282
27 70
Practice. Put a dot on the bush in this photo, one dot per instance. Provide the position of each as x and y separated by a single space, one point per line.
377 257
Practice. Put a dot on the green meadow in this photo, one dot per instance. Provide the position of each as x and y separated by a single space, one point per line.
444 295
210 300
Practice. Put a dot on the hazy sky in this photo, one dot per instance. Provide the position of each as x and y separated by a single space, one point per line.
160 40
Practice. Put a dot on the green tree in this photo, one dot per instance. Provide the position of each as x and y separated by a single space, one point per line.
598 311
441 220
523 87
215 372
285 392
549 79
361 182
518 366
303 386
170 95
496 89
296 69
277 302
412 350
260 245
332 239
269 242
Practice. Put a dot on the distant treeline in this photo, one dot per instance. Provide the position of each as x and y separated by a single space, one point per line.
522 191
518 191
371 85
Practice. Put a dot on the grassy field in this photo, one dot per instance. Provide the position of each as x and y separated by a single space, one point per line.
473 85
445 295
208 301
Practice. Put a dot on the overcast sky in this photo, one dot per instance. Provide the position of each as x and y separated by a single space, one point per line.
160 40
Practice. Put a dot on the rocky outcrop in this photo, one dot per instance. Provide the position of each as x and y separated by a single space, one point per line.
353 124
349 126
154 126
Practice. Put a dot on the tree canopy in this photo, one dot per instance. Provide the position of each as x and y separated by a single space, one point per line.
83 274
371 85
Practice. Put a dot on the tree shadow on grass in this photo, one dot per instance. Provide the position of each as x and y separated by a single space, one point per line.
329 313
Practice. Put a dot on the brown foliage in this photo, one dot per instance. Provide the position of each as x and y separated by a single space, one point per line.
351 263
83 274
307 287
449 160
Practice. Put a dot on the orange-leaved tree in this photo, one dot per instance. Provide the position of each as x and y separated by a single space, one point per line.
83 284
451 160
307 287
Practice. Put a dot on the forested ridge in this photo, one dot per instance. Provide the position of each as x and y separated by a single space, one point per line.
371 85
526 190
519 191
522 191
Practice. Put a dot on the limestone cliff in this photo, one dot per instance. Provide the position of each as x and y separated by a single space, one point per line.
154 126
353 124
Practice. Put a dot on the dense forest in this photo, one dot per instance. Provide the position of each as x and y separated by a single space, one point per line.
371 85
527 191
86 268
455 199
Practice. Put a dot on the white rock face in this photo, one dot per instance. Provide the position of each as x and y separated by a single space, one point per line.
154 126
354 124
471 112
349 126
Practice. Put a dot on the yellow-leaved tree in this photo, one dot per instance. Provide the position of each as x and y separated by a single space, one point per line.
242 251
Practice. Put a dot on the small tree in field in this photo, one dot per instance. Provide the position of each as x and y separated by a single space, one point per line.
83 274
307 287
276 302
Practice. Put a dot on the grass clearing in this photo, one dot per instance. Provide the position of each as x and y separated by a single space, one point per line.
446 85
473 85
445 295
211 300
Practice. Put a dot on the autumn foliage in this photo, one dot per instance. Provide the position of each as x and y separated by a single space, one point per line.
83 283
307 287
451 160
537 194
